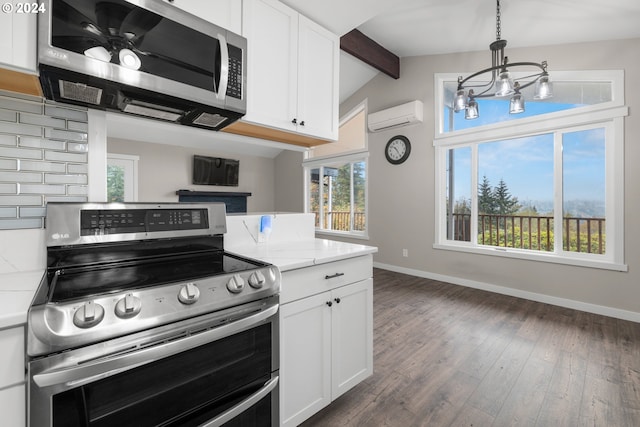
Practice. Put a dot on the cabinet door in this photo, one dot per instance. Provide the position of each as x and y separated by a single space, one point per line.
271 29
13 397
318 75
13 404
18 37
305 358
352 335
224 13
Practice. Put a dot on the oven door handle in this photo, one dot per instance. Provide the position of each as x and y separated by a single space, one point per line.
101 368
238 409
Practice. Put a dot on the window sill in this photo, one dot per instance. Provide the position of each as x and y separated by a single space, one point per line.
345 234
541 257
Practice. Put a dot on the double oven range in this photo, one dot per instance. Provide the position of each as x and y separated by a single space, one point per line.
143 319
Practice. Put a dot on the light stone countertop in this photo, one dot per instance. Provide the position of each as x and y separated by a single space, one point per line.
16 293
303 253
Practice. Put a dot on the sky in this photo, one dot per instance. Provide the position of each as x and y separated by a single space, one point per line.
526 164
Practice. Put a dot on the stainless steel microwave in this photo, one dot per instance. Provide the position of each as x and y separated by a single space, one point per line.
142 57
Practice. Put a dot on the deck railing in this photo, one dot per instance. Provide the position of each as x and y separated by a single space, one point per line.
341 221
532 232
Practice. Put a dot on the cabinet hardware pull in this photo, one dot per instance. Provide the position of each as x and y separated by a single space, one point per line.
337 300
333 276
329 303
302 123
294 121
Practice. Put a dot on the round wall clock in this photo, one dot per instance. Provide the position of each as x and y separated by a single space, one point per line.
398 149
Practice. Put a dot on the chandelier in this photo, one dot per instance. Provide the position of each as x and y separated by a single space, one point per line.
502 84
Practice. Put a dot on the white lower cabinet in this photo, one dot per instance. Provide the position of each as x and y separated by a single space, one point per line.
13 396
326 342
13 404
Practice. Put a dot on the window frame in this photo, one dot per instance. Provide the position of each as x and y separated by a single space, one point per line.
351 156
328 162
609 115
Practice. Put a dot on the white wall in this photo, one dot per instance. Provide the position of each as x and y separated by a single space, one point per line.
164 169
289 182
401 198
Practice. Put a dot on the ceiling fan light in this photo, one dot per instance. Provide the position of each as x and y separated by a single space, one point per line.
460 101
98 52
472 112
504 84
544 88
129 59
516 105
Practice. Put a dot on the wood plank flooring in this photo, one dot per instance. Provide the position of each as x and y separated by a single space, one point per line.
446 355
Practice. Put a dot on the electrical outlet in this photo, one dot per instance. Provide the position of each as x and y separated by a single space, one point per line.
405 253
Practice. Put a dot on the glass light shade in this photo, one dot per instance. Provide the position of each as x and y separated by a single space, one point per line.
471 112
544 88
98 52
516 105
129 59
504 84
460 101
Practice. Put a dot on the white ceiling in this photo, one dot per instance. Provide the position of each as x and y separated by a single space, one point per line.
425 27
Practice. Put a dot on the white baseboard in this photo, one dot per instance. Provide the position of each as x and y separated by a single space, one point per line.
562 302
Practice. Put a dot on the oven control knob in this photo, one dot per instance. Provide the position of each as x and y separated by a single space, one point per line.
256 280
189 293
89 315
129 306
235 285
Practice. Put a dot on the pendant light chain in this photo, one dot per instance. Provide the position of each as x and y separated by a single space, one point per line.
497 19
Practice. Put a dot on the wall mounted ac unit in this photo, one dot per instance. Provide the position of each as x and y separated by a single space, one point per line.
397 116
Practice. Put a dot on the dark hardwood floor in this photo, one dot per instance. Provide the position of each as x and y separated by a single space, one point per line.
446 355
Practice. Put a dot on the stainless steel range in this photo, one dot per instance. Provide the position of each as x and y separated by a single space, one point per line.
143 319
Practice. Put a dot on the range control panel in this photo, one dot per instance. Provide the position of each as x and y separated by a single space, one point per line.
116 221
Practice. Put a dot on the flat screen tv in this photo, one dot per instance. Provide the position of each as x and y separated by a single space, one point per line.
215 171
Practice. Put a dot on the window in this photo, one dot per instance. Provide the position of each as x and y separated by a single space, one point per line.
122 178
336 180
548 186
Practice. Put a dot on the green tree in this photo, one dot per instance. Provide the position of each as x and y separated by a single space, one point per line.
486 202
341 189
115 184
358 186
462 206
504 202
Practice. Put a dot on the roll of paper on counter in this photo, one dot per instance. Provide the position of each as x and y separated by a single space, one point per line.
265 228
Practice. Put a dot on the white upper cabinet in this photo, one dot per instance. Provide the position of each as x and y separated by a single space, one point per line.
318 75
224 13
18 23
271 29
293 71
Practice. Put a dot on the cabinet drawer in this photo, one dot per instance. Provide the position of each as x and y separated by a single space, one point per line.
308 281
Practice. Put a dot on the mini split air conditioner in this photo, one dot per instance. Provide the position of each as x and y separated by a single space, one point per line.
397 116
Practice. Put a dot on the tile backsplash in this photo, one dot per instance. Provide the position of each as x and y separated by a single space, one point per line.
43 158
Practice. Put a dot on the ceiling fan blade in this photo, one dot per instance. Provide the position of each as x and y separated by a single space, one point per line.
111 15
79 24
138 22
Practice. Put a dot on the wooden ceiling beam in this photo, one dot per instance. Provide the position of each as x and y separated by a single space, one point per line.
368 51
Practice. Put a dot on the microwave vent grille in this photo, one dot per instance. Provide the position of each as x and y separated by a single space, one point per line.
210 120
80 92
147 109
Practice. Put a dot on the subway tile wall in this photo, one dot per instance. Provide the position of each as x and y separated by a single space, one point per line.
43 158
